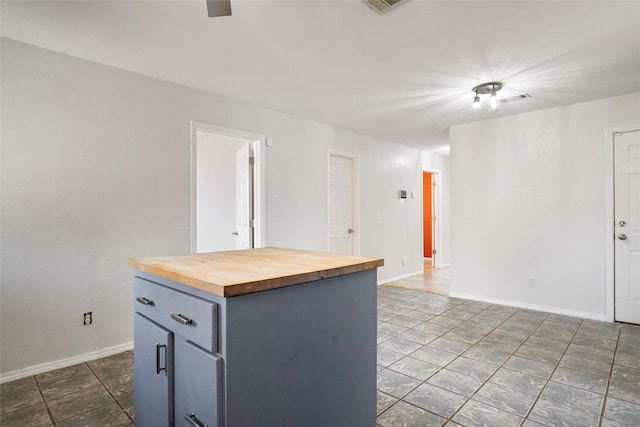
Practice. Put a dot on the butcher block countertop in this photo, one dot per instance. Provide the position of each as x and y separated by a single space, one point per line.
234 273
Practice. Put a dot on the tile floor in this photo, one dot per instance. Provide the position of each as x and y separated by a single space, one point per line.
441 361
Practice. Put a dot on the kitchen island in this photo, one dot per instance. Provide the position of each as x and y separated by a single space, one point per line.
260 337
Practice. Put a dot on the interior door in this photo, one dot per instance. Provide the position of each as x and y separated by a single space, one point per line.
244 215
627 226
341 218
427 214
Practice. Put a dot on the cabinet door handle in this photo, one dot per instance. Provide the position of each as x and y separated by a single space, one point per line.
194 421
181 319
158 368
143 300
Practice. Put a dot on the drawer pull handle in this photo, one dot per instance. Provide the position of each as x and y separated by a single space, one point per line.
144 301
194 421
181 319
158 368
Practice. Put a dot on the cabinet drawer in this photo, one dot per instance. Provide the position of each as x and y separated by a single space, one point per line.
194 318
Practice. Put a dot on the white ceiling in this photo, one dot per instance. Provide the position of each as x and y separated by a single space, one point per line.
404 76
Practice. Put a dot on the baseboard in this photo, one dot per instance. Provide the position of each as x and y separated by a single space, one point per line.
545 308
63 363
404 276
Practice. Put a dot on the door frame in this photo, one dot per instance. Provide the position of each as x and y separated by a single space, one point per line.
436 209
610 218
259 186
355 170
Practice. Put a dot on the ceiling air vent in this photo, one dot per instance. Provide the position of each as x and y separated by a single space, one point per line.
380 6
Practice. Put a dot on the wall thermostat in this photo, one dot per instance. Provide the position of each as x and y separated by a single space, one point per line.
402 194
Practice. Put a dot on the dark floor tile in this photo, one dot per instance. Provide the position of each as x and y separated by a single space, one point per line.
31 416
122 387
505 398
573 397
129 406
518 381
549 344
484 355
420 337
407 322
595 342
475 413
414 368
625 383
113 367
622 412
400 345
386 357
474 368
383 401
449 345
631 361
105 416
455 382
463 336
433 328
580 379
506 335
497 344
18 394
553 334
405 415
434 399
607 330
590 353
394 383
66 380
390 329
79 402
590 366
555 414
433 355
539 354
530 367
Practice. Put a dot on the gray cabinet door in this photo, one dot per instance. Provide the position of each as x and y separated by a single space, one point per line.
153 365
198 386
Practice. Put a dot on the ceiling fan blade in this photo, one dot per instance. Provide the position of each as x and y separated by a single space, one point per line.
219 8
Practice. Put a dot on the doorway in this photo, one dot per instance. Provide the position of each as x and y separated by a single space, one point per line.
626 211
343 206
227 211
431 218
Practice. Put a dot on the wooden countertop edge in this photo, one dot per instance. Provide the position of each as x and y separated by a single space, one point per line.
238 289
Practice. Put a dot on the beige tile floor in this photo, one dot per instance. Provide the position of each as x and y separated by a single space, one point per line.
441 361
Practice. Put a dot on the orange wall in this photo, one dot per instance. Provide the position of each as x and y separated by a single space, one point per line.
426 213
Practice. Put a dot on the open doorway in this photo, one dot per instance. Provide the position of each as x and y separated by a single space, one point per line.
226 189
430 219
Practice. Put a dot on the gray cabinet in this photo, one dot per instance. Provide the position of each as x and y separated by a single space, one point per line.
302 355
178 377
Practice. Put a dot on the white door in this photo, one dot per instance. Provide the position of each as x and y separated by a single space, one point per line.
243 230
341 205
627 226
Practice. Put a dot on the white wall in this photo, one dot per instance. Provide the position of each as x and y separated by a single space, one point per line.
528 199
437 162
95 170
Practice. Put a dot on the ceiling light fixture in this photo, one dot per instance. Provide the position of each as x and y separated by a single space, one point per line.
491 89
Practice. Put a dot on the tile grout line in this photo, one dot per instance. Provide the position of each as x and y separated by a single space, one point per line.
606 390
111 395
44 401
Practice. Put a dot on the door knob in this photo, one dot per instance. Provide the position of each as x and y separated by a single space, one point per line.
351 230
622 236
235 233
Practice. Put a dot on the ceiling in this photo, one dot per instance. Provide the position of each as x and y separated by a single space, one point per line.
404 76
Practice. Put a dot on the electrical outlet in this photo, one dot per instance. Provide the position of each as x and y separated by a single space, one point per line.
88 318
532 281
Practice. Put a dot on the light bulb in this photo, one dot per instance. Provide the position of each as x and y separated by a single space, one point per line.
494 105
475 107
